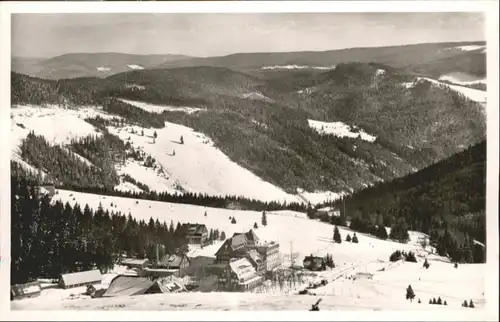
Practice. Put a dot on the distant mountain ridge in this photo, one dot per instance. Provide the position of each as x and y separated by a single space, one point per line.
88 64
428 59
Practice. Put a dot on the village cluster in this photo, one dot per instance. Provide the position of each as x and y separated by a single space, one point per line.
242 263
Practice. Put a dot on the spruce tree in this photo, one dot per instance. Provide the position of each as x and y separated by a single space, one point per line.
255 225
348 238
182 140
426 264
233 221
155 135
434 300
439 301
419 302
445 303
222 236
410 295
355 238
336 235
430 301
264 219
471 304
465 304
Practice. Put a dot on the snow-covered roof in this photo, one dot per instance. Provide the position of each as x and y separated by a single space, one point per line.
243 269
81 277
133 261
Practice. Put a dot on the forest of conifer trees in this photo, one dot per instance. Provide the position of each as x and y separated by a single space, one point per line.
50 238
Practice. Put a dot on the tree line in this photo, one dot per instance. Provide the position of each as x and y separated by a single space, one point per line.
50 238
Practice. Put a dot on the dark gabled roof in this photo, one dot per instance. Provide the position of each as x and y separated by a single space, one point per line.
194 229
250 235
235 243
172 260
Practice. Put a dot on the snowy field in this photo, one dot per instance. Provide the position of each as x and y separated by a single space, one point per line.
346 290
298 67
340 130
161 108
462 79
475 95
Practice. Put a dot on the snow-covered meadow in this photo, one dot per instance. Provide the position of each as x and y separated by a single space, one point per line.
340 129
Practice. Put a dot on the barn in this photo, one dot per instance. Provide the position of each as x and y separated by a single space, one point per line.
80 279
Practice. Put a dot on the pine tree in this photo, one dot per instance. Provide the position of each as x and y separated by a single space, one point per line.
255 225
355 238
264 219
336 235
348 238
410 295
381 231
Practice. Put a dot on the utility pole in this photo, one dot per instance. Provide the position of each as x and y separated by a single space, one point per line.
157 255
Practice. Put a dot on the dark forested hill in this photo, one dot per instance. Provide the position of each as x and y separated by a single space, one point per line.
413 126
446 200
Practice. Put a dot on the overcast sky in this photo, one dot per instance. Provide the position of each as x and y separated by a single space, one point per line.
44 35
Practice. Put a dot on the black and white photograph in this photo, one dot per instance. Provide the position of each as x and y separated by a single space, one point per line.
250 161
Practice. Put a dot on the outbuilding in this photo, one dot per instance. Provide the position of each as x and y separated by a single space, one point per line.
80 279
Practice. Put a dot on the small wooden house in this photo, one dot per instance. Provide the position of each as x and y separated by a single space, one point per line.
80 279
27 290
174 261
196 234
314 263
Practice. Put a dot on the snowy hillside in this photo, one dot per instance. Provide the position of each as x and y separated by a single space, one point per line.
363 278
292 230
195 166
475 95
